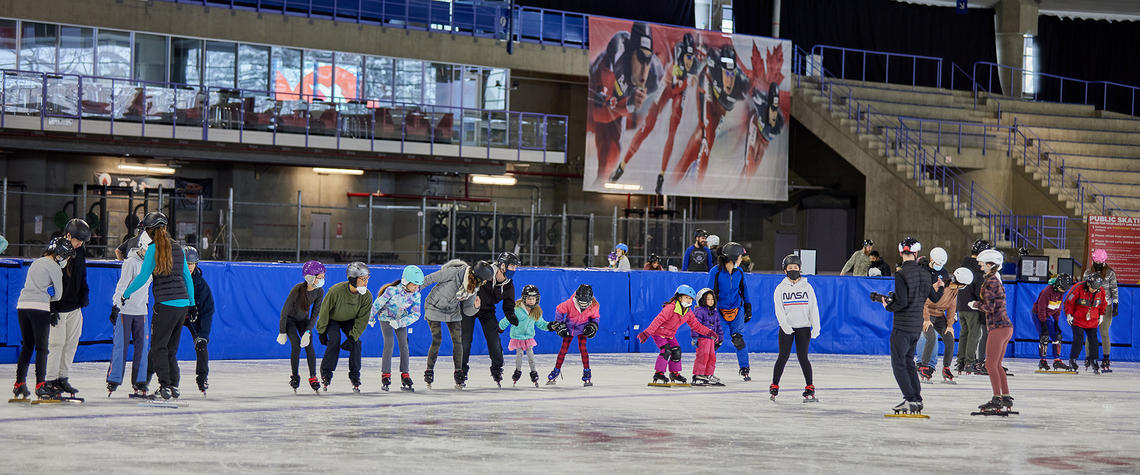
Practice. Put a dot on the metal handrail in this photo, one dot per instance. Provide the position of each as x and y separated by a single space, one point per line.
915 58
1083 86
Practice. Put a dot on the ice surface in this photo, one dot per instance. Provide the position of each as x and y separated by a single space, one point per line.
252 422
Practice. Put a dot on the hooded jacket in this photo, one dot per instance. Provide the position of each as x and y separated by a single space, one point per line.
137 304
567 312
447 301
525 329
671 317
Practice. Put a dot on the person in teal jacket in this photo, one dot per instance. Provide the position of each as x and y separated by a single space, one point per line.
529 316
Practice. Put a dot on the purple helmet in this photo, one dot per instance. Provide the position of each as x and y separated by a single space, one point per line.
313 268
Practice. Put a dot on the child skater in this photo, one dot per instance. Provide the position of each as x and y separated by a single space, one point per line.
130 324
298 316
33 310
199 323
1047 310
705 364
529 316
676 312
1085 307
397 306
992 306
576 317
797 312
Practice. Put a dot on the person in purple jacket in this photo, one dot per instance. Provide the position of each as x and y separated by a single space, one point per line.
705 364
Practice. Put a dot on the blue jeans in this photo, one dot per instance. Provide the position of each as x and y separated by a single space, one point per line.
921 346
737 326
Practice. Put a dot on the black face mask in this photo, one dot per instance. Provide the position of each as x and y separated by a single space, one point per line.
793 274
1098 266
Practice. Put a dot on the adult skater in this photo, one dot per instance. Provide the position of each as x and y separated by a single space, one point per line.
942 315
969 355
860 261
1085 308
1047 317
173 289
727 281
500 289
797 313
455 293
877 262
200 323
129 320
345 310
698 257
912 289
992 305
1112 295
299 315
33 311
64 337
936 264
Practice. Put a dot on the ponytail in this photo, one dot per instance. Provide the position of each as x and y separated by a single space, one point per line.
163 259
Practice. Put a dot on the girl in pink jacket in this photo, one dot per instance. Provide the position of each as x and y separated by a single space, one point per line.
676 312
577 317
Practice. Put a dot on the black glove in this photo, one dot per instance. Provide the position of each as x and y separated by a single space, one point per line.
324 338
561 329
53 318
747 312
1115 309
114 314
348 344
122 301
590 330
512 319
192 313
501 330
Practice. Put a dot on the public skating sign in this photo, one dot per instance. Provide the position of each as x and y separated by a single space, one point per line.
1120 237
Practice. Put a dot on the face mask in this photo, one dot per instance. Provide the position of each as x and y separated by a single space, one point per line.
318 283
937 267
793 274
686 304
1098 265
63 263
361 290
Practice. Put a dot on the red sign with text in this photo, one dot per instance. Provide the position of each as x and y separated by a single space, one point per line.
1120 237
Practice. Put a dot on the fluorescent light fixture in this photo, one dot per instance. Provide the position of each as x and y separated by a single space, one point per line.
151 169
338 171
622 187
493 180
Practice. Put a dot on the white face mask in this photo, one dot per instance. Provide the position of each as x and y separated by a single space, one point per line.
63 263
318 283
361 290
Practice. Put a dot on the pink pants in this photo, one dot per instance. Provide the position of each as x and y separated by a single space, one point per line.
706 357
662 361
995 350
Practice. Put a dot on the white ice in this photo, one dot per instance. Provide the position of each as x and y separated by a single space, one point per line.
252 422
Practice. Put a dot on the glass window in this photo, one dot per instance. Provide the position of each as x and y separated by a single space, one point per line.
348 77
1029 66
37 47
8 44
472 87
378 79
253 67
409 81
317 83
495 92
185 61
443 85
150 57
286 71
221 64
76 50
114 54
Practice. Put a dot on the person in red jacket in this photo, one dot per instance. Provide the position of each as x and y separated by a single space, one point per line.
676 312
1085 307
1047 310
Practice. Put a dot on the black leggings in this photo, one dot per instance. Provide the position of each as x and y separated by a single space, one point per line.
165 334
801 337
491 333
1079 337
34 328
294 333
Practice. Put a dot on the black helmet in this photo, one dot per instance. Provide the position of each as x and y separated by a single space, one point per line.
792 259
153 219
654 258
688 45
584 295
728 57
530 290
1095 281
732 250
640 38
700 233
868 242
979 246
508 259
909 245
191 254
1022 251
483 271
1063 282
78 229
60 248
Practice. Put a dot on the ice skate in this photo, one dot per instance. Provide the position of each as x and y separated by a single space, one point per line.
294 382
550 379
203 384
809 393
1007 371
66 387
46 393
993 407
1094 364
497 376
980 369
459 379
587 375
960 366
713 380
20 393
700 380
515 377
326 380
406 383
925 373
355 385
429 377
385 381
1104 368
660 380
773 391
534 378
111 387
1073 365
916 407
617 174
1043 365
908 410
675 379
316 385
744 373
948 376
140 391
1059 365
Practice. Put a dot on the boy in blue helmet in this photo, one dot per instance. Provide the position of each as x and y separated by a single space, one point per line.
201 322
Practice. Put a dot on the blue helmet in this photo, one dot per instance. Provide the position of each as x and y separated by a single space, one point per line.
622 247
684 289
412 275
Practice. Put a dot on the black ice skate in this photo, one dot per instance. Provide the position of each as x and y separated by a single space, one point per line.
294 382
960 366
326 380
46 392
617 174
675 379
459 379
20 393
316 385
1059 365
497 376
744 373
660 380
925 373
993 407
1043 365
66 387
355 385
1094 364
203 384
429 377
385 381
948 376
534 378
980 369
140 391
515 377
773 391
587 375
809 393
1073 365
111 387
406 382
1104 368
174 393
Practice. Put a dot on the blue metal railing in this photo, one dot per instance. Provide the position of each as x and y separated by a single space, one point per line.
886 58
221 112
1080 91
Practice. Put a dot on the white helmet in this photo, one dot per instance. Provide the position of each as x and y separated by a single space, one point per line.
713 240
874 272
991 256
938 256
963 276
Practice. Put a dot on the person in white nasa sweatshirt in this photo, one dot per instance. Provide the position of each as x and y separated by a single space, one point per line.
797 311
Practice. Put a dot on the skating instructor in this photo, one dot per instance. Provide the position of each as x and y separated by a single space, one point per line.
912 289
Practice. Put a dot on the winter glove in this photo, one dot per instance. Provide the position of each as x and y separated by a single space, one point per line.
1115 309
641 337
281 338
563 330
348 344
590 330
324 337
974 305
306 339
501 330
1069 318
717 343
114 315
122 301
192 313
747 312
512 319
53 318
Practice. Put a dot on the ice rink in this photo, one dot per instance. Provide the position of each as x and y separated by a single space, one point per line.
252 422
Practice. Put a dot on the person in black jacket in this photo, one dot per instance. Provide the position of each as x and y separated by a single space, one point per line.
970 356
912 289
491 293
63 338
877 262
200 326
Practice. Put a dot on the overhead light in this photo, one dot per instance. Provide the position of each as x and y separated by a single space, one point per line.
338 171
152 169
622 187
493 180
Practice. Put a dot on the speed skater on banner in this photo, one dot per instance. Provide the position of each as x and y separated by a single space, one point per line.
721 85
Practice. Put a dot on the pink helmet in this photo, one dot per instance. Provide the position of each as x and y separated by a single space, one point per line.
1100 256
313 268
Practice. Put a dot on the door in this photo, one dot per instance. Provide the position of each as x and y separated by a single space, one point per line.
785 244
319 231
829 235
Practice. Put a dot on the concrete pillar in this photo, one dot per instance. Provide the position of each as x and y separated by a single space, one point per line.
1015 19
